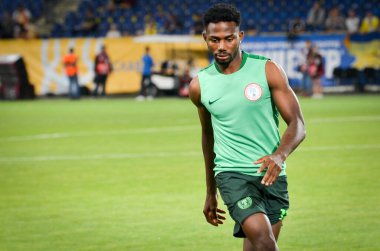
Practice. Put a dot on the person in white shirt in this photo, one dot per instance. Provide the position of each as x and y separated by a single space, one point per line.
352 22
113 32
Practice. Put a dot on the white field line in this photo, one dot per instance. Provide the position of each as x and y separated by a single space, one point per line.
337 148
345 119
168 154
58 135
100 156
99 133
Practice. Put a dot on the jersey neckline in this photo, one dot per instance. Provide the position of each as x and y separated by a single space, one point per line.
244 59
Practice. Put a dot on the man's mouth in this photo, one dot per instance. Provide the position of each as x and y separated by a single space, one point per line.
222 56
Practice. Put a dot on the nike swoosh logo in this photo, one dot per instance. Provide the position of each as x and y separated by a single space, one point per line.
210 102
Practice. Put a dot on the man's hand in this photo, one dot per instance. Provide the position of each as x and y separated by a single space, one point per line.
211 211
272 163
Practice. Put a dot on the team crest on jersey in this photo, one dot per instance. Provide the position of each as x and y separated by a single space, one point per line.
253 92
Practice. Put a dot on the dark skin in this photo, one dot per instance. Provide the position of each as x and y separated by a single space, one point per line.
223 41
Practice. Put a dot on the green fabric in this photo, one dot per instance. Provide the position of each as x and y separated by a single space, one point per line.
284 213
244 129
244 195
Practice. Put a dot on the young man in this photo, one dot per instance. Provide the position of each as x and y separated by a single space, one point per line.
148 64
70 61
102 67
238 98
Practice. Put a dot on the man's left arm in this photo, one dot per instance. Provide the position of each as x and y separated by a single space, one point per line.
287 104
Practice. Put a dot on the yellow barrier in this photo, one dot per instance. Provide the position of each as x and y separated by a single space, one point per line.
43 59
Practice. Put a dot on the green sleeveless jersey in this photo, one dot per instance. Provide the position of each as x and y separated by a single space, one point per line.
244 117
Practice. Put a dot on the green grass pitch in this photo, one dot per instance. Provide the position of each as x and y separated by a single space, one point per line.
116 174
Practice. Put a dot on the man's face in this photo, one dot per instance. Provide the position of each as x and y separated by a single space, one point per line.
223 40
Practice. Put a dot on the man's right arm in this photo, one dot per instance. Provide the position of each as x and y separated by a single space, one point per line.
211 212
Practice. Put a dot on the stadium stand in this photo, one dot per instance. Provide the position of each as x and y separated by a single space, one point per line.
262 20
262 16
34 6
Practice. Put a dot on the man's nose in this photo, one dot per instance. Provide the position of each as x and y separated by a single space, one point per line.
221 45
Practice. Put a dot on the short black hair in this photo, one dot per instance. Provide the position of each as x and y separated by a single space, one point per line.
221 12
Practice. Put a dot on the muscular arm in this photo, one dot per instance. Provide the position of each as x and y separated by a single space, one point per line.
289 108
210 208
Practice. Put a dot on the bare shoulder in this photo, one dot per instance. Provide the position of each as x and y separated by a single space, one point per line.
195 91
276 75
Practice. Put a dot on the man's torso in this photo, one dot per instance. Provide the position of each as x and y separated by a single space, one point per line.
244 118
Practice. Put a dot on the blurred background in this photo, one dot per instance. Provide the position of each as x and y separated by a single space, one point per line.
116 174
38 33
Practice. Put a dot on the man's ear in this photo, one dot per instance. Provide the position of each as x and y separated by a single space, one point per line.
204 35
241 35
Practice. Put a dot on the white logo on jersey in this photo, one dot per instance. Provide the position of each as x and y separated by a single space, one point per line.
253 92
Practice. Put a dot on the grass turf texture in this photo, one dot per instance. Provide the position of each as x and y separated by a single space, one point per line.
116 174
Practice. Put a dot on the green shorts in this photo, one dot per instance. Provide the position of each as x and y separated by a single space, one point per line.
244 195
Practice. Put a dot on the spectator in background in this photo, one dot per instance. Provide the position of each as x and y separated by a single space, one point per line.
148 63
197 27
184 81
150 26
335 21
189 73
7 26
102 68
316 71
370 23
160 19
70 61
315 18
164 67
21 17
352 22
125 3
297 26
110 7
113 32
306 85
193 70
89 25
168 68
173 24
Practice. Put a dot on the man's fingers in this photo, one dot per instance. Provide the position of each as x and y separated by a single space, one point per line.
262 167
268 179
268 173
219 220
208 216
214 217
272 169
220 211
261 160
271 176
221 217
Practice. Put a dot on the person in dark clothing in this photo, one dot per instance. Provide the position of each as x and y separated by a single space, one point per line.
148 63
103 68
